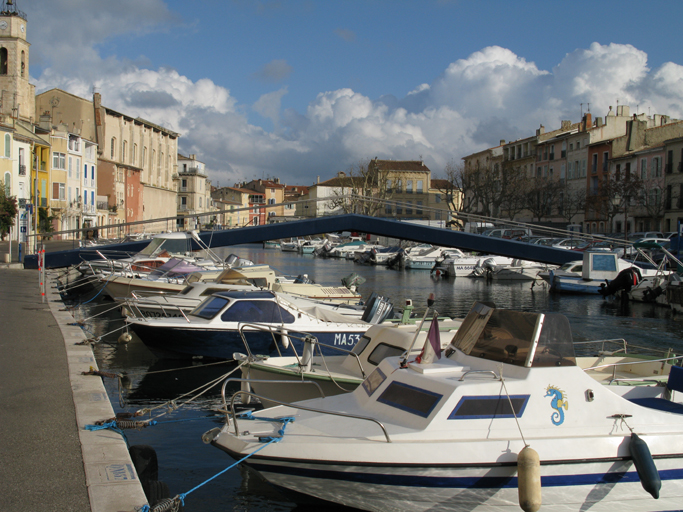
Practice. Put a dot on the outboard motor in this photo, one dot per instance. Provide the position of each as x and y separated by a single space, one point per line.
625 280
235 261
377 310
397 261
651 294
352 281
304 279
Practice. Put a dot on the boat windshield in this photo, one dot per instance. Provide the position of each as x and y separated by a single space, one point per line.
514 337
170 245
257 311
210 307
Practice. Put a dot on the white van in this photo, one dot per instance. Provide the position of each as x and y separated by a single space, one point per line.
477 227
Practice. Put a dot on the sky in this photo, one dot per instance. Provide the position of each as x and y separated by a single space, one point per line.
302 89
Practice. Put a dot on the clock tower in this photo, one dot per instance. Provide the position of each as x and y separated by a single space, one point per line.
17 96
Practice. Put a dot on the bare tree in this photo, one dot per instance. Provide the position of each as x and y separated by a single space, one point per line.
459 189
515 186
362 189
618 194
542 196
572 201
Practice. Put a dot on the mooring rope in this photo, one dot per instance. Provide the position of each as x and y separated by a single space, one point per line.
179 500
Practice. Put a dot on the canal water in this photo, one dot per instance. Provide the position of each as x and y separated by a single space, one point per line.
163 386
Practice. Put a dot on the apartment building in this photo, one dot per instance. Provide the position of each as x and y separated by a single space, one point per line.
193 193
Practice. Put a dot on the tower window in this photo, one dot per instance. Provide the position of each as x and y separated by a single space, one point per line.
23 63
3 61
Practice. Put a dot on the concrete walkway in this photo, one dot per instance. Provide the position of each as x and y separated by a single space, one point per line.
48 460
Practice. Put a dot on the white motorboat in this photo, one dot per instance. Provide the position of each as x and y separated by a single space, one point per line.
506 416
597 270
470 266
161 248
171 277
215 327
520 270
336 374
569 269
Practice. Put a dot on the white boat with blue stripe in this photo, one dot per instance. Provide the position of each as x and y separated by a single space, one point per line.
508 417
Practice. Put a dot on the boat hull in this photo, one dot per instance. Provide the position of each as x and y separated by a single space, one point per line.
599 486
223 343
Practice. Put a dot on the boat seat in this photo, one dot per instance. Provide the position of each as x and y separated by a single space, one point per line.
675 383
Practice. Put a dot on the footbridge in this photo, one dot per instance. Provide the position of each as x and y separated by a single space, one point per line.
332 224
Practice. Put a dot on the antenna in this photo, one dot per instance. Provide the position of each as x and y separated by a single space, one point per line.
589 107
581 110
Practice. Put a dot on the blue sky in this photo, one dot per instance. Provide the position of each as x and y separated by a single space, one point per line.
299 89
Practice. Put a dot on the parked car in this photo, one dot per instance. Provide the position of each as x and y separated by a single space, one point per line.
516 234
595 245
546 241
498 233
644 234
568 243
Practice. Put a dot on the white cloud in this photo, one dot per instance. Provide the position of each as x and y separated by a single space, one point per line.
490 95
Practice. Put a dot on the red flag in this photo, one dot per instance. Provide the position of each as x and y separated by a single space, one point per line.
432 347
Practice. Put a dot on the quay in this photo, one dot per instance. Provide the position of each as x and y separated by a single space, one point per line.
49 460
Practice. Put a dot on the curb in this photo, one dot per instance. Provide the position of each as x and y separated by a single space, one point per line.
113 484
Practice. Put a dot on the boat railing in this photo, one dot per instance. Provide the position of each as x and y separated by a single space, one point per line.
233 414
310 342
616 365
495 375
602 347
133 306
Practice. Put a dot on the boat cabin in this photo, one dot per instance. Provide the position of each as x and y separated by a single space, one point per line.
259 306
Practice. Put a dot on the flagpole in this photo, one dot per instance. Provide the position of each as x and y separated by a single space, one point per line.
430 303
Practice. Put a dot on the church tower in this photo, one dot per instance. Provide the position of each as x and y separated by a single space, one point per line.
17 96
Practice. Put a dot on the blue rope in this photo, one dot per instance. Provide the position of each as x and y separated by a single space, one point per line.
111 425
266 440
103 286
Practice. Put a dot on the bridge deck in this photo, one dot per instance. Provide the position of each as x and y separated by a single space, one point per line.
350 222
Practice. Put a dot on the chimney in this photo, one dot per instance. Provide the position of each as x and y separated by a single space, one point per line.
565 125
540 131
598 121
318 180
587 121
502 141
45 121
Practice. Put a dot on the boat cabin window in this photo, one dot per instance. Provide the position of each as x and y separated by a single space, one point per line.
514 337
410 398
568 267
185 290
360 346
257 311
382 351
210 308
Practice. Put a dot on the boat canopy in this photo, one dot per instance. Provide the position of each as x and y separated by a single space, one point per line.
517 338
173 243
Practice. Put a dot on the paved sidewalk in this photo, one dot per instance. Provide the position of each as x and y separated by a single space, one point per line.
48 461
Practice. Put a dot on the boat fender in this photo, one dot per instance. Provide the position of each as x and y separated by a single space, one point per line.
246 399
529 479
125 338
285 339
645 465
